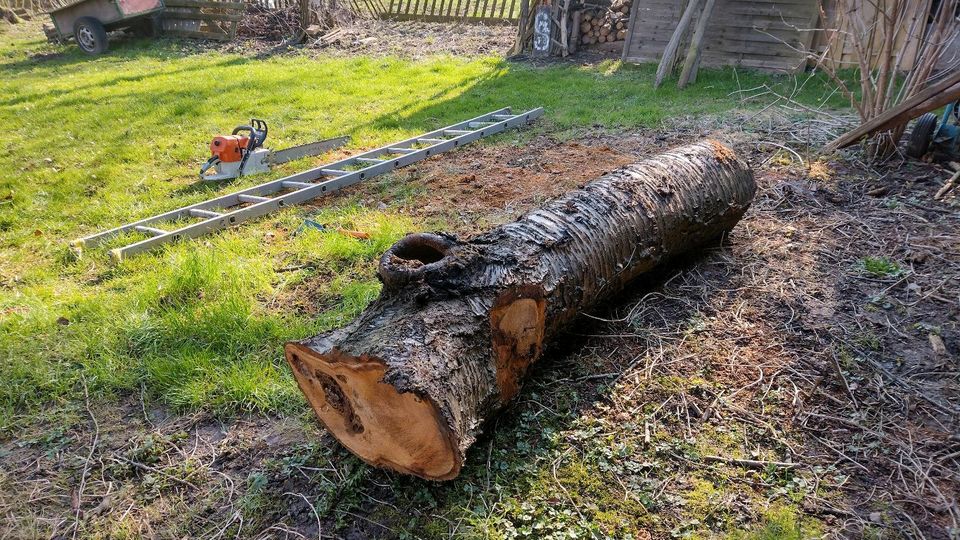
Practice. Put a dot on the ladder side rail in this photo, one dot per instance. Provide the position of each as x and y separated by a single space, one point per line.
235 217
437 132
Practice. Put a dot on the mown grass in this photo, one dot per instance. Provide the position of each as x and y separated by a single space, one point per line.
92 143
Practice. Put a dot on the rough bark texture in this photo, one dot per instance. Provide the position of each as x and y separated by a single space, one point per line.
408 384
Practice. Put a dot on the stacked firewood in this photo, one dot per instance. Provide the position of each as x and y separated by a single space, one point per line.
603 26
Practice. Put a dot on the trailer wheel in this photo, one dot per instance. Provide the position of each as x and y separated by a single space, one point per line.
920 137
90 34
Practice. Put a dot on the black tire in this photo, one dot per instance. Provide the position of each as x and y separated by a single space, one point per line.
90 35
921 135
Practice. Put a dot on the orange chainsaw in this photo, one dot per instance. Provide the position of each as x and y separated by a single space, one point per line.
242 153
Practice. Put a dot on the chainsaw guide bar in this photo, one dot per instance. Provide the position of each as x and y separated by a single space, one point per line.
305 150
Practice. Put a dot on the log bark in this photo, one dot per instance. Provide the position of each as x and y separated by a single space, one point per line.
408 385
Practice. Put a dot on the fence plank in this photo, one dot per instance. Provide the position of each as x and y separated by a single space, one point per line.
470 11
212 17
205 4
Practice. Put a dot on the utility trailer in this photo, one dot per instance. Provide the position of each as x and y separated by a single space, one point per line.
87 21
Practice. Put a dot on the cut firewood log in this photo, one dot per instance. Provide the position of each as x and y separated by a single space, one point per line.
410 383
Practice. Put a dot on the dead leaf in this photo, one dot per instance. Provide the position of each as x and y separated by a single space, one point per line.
937 344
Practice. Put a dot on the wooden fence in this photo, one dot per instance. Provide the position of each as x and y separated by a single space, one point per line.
205 19
768 34
485 11
43 6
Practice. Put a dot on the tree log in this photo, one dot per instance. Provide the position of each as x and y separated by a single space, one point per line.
408 385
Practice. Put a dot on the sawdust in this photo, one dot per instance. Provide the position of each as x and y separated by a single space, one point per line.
483 185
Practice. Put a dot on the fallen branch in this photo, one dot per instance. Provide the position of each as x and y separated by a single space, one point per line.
752 463
948 187
933 97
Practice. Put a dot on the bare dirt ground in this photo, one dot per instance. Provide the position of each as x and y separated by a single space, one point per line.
415 39
375 37
812 358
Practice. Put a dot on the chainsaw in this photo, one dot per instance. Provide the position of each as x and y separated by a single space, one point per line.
242 153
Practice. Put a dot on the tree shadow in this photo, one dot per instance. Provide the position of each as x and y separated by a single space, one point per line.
79 89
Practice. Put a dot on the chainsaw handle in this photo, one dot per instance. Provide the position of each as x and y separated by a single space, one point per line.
258 133
260 126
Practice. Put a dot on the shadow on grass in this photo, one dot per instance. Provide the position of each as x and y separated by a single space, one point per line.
77 91
123 47
608 95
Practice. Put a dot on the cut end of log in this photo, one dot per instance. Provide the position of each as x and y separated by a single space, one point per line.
386 428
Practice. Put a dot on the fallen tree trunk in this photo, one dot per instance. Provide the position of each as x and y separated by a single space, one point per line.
408 385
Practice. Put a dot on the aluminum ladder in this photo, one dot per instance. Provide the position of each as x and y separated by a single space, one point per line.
228 210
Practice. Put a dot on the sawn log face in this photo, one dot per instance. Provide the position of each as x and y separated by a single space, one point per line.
408 385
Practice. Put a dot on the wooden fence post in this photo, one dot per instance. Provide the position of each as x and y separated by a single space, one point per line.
670 53
692 61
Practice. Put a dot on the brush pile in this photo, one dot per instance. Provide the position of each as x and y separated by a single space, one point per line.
269 24
605 25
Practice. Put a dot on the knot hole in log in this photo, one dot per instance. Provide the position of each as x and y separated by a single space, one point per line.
412 258
332 393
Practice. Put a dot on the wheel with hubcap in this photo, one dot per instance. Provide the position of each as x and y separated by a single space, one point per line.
90 34
921 135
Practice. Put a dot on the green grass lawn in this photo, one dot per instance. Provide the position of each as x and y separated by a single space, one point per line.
93 143
199 326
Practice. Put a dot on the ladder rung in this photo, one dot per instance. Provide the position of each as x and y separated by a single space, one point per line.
334 172
252 198
150 230
297 185
456 131
196 212
431 141
502 117
396 150
480 124
370 160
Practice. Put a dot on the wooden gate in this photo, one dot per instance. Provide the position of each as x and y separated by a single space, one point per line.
205 19
485 11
